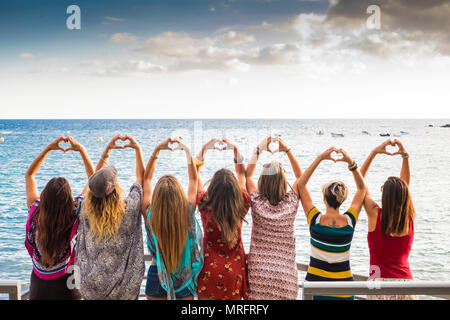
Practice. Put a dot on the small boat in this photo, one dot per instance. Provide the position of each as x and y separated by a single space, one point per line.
365 132
385 134
333 134
397 135
320 133
404 132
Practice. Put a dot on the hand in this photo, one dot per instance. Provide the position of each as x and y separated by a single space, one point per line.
401 149
282 146
133 143
112 143
381 149
55 144
74 145
264 145
228 144
345 157
181 145
326 155
207 146
165 145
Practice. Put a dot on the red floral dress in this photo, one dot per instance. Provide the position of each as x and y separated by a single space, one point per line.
224 273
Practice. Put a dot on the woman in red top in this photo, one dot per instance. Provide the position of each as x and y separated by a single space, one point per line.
223 208
391 228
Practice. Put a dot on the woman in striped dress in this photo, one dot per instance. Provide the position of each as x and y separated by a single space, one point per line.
272 271
331 232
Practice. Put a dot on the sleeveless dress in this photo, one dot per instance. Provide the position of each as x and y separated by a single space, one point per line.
330 251
272 270
389 258
224 273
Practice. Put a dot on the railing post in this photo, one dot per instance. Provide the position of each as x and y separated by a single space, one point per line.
12 288
305 293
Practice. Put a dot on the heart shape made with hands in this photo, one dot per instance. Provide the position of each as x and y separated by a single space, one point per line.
220 145
274 145
65 145
119 143
173 145
392 149
334 156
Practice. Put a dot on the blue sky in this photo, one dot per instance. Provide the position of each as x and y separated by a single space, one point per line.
234 58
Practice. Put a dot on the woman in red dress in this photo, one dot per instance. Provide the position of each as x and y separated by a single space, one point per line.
223 208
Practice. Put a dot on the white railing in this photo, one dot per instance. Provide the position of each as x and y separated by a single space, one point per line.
439 289
360 287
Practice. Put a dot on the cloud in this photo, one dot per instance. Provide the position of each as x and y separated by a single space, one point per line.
235 38
123 37
414 23
26 55
114 19
130 68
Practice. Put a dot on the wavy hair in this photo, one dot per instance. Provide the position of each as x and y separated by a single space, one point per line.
104 214
225 200
170 220
55 219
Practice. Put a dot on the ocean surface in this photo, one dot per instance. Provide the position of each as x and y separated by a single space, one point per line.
23 140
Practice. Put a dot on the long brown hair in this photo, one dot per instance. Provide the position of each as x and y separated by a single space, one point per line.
272 183
104 214
397 207
55 218
225 200
170 220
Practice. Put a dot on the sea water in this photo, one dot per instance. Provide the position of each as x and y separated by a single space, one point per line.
428 146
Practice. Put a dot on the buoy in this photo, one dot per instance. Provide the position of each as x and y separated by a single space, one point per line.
426 131
2 140
100 139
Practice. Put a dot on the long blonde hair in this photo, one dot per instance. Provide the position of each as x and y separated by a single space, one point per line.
170 220
104 214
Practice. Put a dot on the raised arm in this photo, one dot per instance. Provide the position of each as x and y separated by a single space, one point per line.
405 174
381 149
30 182
103 162
361 189
239 165
75 146
294 163
251 167
303 192
199 160
139 158
192 172
149 172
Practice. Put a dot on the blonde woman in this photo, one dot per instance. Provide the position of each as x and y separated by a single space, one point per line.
174 236
110 255
272 270
331 232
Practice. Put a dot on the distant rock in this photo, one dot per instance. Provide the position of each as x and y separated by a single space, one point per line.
446 126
